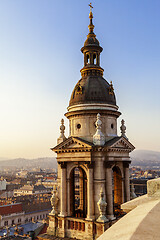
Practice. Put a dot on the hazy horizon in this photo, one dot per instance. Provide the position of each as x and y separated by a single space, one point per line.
40 62
54 155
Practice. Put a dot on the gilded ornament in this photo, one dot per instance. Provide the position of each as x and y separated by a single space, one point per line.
78 88
111 89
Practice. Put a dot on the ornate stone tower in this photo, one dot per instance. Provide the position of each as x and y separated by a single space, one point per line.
93 162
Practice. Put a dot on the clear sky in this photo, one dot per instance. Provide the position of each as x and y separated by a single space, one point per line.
40 59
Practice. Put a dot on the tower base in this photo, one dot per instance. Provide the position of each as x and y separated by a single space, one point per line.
74 228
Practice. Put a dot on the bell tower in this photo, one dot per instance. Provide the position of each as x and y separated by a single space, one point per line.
92 94
93 162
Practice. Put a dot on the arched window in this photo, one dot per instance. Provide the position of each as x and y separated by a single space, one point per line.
19 220
26 220
117 189
78 192
94 59
6 223
88 59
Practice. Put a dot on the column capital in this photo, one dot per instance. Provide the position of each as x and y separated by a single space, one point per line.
90 165
62 164
108 164
126 164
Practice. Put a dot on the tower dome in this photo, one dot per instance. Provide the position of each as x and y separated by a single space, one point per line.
92 87
92 95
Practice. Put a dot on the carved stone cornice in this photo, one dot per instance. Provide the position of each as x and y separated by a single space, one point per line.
92 112
75 150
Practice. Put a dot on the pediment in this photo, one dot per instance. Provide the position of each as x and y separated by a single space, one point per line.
120 143
73 143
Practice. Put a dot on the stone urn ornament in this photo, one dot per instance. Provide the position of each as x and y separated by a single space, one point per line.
133 195
98 138
54 201
62 130
102 208
123 129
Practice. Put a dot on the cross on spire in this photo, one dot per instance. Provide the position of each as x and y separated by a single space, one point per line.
90 5
91 26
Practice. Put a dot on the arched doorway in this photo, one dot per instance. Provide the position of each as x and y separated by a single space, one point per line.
117 189
78 192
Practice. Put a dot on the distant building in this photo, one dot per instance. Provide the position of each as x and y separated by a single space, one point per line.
31 190
11 214
15 237
48 183
21 213
25 231
22 174
3 184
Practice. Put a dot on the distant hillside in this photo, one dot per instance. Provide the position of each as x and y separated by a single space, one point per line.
29 163
145 158
139 158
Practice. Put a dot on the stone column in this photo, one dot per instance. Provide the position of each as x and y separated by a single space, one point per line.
81 190
126 181
90 200
63 212
68 197
109 194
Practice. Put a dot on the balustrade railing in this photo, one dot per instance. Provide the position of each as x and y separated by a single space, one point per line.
76 225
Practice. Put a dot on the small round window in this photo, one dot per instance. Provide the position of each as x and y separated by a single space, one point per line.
112 126
78 126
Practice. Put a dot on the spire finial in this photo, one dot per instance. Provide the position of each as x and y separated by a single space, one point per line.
91 26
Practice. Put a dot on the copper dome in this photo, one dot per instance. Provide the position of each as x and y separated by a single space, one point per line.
92 89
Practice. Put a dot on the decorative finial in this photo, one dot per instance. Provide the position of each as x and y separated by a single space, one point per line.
62 129
123 129
102 208
91 26
99 138
111 89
